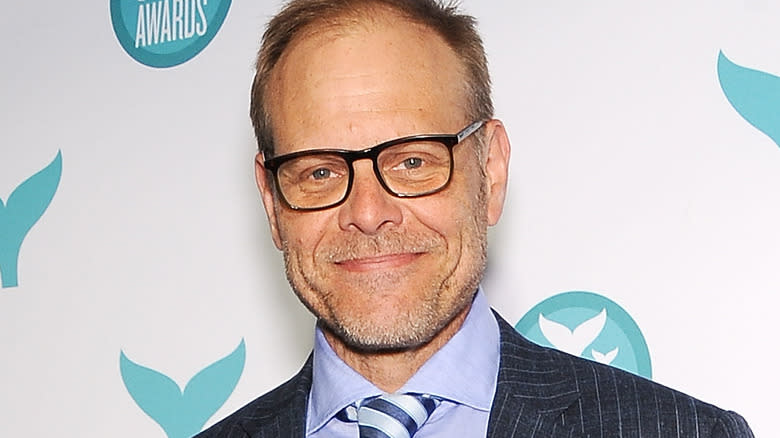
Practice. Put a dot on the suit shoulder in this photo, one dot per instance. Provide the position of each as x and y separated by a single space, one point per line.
612 400
284 408
648 404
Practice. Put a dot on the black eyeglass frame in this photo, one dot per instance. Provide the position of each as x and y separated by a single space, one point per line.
372 153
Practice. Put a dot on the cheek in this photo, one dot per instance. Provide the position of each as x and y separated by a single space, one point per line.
461 202
301 233
460 217
448 216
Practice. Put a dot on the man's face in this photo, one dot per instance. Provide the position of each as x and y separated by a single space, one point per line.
379 271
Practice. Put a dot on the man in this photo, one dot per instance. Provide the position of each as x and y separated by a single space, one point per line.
380 169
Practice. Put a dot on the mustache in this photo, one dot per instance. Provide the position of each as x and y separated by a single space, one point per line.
359 246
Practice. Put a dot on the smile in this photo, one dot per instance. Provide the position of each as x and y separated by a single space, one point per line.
382 262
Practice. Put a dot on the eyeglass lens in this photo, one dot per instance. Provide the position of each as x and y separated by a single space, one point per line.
408 169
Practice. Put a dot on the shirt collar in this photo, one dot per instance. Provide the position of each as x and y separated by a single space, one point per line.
463 371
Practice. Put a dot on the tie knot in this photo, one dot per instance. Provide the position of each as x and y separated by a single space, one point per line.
393 415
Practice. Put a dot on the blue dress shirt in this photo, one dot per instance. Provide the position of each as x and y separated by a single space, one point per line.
462 374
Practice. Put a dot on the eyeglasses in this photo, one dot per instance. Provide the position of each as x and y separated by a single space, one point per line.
407 167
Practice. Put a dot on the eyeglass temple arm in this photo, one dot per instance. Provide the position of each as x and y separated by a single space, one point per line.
468 130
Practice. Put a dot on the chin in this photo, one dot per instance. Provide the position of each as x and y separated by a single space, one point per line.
379 341
390 331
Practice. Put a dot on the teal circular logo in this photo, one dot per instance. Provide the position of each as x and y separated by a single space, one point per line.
165 33
588 325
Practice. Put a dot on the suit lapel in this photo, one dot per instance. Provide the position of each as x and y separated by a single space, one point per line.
533 391
283 411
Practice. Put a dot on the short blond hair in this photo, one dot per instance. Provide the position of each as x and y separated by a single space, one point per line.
458 30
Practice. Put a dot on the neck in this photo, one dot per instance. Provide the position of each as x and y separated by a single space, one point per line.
390 370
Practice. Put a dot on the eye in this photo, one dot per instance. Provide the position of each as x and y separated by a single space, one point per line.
321 173
411 163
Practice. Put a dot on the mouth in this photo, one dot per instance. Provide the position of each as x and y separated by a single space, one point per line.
379 262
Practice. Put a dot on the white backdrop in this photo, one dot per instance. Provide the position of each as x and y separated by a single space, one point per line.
632 176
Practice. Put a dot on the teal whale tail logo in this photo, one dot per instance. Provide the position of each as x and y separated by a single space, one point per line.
25 206
589 325
754 94
182 414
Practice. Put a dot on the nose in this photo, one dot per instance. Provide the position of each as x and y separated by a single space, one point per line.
368 208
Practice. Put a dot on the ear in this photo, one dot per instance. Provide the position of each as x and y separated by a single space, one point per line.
267 195
496 168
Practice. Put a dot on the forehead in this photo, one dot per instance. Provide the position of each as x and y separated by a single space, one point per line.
360 82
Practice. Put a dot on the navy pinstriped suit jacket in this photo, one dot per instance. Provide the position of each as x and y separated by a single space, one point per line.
541 393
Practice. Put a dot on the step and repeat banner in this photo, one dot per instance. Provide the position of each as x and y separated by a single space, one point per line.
141 293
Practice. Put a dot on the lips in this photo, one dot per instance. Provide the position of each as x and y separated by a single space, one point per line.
378 262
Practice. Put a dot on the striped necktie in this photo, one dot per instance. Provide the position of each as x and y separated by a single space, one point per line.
393 415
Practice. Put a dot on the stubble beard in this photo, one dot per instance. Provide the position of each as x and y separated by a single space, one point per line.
443 298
